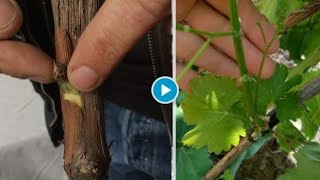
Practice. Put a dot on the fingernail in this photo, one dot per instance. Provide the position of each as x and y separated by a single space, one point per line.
84 78
8 11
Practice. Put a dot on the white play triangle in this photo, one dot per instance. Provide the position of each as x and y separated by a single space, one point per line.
164 90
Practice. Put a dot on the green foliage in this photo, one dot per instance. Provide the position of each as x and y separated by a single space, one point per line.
277 10
192 164
311 60
227 175
311 117
209 108
307 168
216 114
312 151
271 90
289 137
311 39
302 39
289 107
182 127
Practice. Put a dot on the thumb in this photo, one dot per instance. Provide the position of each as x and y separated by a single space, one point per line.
10 18
109 36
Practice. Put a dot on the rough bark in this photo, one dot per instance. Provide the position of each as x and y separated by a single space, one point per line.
227 159
86 154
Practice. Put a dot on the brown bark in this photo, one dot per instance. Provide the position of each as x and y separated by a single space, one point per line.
218 168
86 154
300 15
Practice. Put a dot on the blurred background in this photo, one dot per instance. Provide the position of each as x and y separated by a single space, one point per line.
26 151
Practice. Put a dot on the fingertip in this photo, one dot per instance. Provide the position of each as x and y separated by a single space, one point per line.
268 69
11 18
84 78
28 62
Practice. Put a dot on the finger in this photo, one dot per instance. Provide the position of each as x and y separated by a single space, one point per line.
199 17
184 82
211 60
23 61
10 18
250 16
183 7
114 30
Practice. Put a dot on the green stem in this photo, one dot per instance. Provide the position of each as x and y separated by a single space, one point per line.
262 32
194 59
237 39
265 53
186 28
263 59
211 37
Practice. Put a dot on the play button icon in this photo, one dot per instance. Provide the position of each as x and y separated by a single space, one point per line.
164 90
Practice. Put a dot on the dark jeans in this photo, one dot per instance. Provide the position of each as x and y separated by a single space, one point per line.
139 145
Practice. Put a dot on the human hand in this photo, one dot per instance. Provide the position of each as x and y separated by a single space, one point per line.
220 58
18 59
114 30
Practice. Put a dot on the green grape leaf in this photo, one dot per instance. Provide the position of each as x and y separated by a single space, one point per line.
182 127
311 150
269 9
227 175
313 107
307 168
311 39
209 108
302 39
289 107
289 137
307 77
271 89
293 40
180 97
311 117
309 128
275 11
310 61
276 87
192 164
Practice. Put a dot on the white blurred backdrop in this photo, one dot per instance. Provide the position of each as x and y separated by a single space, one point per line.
26 152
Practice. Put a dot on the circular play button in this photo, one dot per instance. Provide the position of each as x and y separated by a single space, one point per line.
164 90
